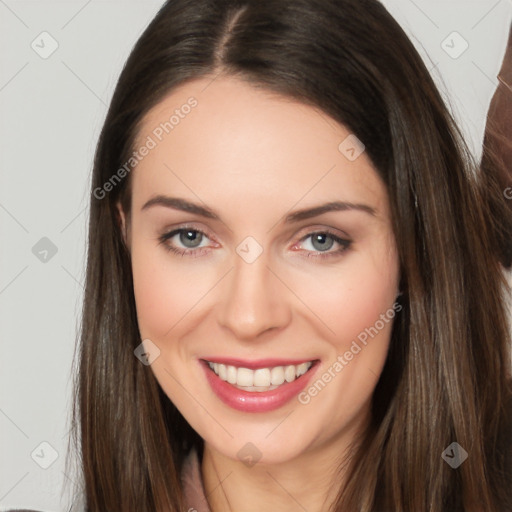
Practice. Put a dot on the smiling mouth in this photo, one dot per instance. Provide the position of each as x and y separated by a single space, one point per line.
261 379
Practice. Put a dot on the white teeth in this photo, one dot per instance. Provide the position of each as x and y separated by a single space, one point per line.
256 388
232 374
277 375
290 373
245 377
262 379
302 369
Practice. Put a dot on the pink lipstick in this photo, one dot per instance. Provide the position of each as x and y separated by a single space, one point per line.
258 385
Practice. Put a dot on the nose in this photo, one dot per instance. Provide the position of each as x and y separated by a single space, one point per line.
254 301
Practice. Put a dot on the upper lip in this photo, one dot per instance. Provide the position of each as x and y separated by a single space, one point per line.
254 364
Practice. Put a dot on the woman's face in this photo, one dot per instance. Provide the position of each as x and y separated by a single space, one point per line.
238 261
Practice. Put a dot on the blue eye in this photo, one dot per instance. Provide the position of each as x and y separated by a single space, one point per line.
323 241
191 239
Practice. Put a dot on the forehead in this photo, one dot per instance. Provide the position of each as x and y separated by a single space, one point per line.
230 138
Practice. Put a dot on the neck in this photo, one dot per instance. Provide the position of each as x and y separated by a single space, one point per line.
310 481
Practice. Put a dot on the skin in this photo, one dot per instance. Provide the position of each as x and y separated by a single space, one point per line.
254 157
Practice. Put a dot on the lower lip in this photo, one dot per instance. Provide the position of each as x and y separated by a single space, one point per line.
256 401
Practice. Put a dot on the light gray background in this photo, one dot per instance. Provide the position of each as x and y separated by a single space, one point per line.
51 114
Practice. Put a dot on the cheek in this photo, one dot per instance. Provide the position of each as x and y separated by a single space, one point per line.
164 291
359 306
345 298
352 297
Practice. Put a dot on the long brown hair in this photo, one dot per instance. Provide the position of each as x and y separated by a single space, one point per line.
496 163
446 376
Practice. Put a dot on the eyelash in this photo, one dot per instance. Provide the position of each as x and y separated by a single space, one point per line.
194 253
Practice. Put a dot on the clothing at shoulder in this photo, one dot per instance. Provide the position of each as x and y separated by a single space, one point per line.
192 482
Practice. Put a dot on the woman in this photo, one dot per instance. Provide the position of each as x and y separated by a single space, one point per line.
292 299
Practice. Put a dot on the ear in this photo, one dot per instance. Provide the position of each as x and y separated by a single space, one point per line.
123 223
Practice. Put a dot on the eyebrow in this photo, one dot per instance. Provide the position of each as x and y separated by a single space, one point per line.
187 206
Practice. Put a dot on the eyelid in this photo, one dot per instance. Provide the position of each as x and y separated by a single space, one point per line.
170 233
311 230
337 235
344 243
173 230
